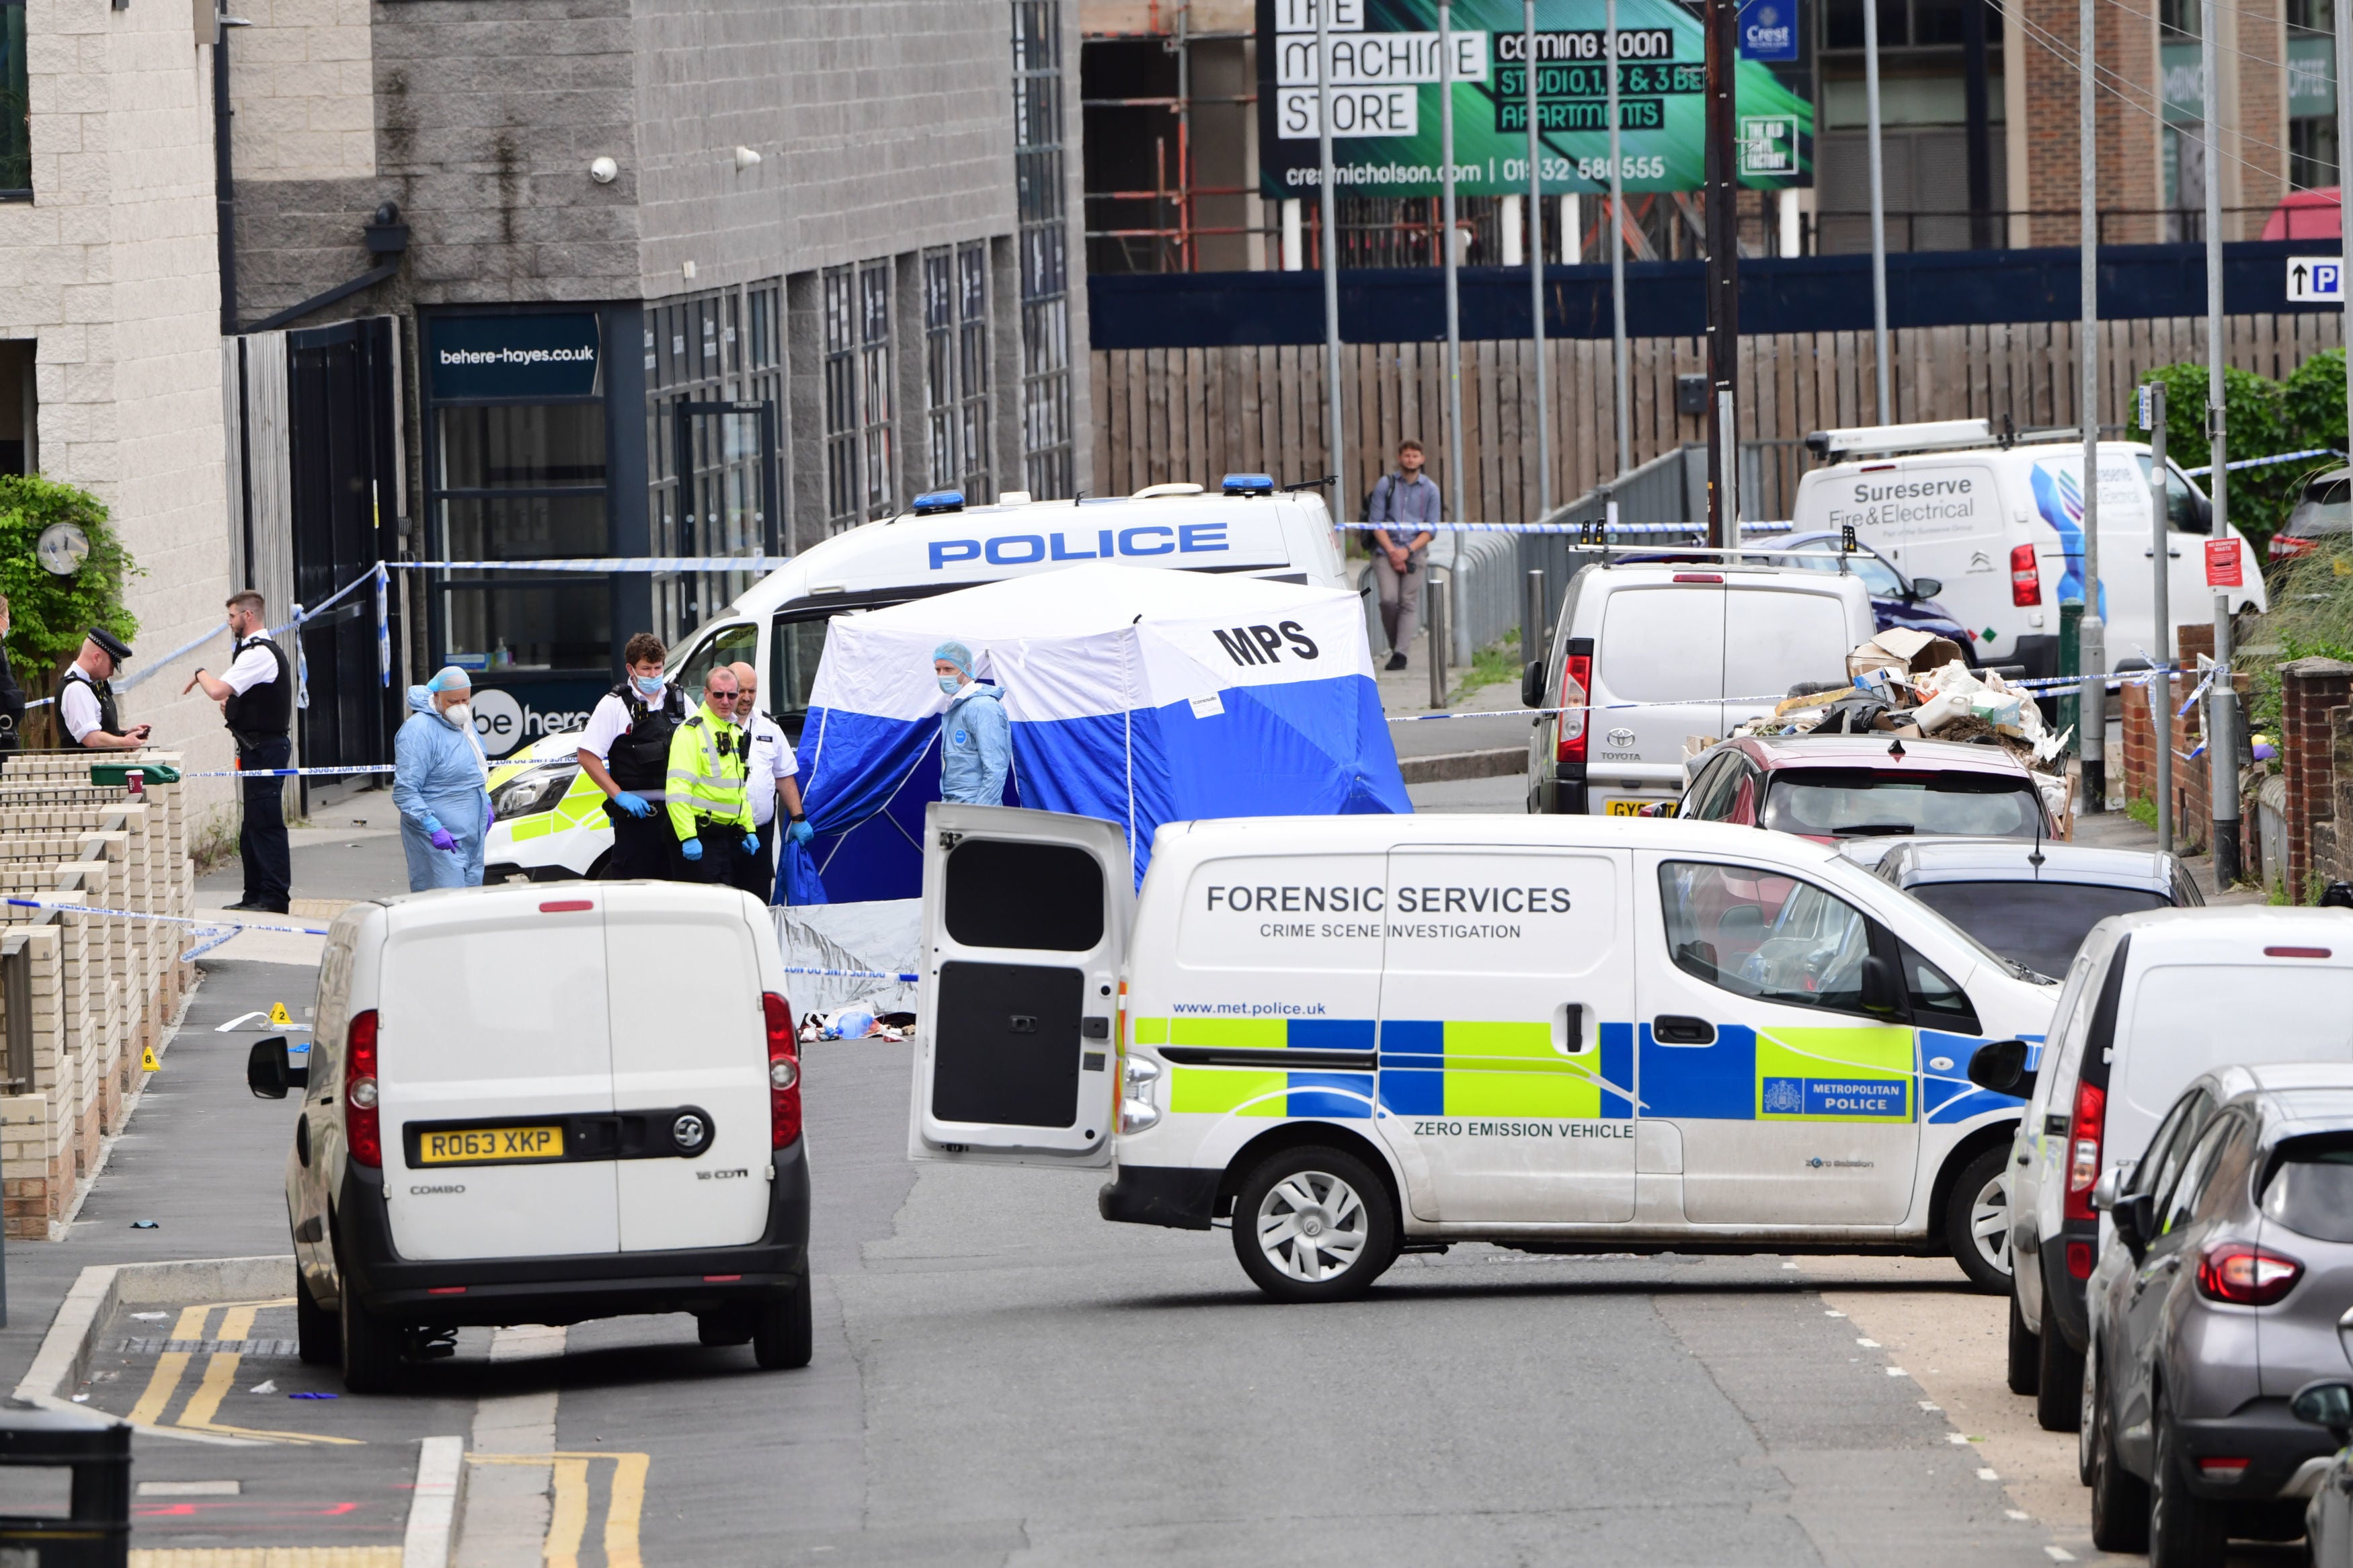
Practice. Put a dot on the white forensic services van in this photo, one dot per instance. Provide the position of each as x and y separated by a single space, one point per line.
2000 527
1352 1036
551 818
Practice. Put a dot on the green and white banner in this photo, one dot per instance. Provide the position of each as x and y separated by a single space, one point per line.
1385 67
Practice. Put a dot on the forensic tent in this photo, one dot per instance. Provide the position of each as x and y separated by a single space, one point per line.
1135 696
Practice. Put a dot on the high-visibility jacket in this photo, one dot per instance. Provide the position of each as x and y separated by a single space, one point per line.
706 775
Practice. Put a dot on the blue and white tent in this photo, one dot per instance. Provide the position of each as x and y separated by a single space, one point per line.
1138 696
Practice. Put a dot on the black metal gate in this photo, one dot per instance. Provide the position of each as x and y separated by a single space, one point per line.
342 416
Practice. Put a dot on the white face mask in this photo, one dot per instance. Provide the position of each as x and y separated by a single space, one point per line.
461 715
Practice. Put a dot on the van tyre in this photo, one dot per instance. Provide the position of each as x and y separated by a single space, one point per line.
2120 1502
371 1348
2184 1530
1976 1221
318 1336
784 1332
2025 1351
1313 1224
2059 1380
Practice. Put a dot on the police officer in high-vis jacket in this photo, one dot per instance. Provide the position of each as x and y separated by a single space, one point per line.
85 698
625 752
709 808
257 697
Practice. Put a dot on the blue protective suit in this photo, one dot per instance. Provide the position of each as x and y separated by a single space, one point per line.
975 747
437 782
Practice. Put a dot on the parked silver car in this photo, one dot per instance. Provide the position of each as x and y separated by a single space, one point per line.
2221 1296
2035 903
2329 1519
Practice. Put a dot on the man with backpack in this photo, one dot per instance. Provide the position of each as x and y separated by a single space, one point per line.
1403 507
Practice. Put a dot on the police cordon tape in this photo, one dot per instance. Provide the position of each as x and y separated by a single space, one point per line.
1639 530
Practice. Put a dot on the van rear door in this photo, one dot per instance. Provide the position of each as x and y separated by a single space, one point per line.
493 1052
1658 676
690 1067
1934 518
1777 633
1025 927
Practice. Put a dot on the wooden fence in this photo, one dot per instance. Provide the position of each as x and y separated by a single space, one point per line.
1163 415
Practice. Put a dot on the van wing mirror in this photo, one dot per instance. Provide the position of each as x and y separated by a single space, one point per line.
1532 684
1926 588
266 1073
2328 1402
2000 1067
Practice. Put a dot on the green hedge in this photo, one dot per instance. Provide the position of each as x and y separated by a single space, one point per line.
50 614
2267 418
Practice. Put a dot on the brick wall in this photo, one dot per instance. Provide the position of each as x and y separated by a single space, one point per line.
2129 173
2314 693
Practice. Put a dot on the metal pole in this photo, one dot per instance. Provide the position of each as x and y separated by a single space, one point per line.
1532 612
2221 740
2344 13
1453 301
1441 636
1878 211
1328 210
2093 706
1617 246
1537 265
2161 691
1723 271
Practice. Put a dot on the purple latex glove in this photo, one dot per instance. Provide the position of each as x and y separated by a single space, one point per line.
441 840
490 817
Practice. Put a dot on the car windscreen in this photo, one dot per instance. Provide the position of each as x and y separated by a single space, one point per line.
1850 803
2038 924
2311 1186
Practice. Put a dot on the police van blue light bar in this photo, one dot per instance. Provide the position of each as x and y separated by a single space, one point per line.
1248 484
932 503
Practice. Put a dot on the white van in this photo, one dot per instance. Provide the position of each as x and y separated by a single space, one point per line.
2001 528
551 818
1650 654
532 1105
1350 1036
2151 1001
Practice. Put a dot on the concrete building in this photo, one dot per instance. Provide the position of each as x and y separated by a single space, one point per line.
582 279
109 317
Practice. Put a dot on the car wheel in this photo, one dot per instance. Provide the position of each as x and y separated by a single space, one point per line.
2120 1503
1976 1221
2085 1410
318 1337
2185 1531
2025 1351
784 1330
371 1348
2058 1382
1313 1225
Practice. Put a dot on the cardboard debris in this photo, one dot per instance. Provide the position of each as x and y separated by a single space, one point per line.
1915 685
1904 652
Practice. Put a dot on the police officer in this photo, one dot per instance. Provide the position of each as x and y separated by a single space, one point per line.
770 775
710 809
85 698
626 751
256 694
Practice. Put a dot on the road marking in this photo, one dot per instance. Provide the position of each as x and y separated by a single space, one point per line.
507 1508
190 1488
568 1520
433 1505
200 1413
170 1367
266 1557
623 1509
568 1524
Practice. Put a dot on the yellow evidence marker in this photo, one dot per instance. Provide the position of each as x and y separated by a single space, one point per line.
279 1016
147 1062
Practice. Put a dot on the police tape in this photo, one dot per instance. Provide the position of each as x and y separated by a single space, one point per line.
606 564
286 772
1638 530
2057 683
854 974
67 906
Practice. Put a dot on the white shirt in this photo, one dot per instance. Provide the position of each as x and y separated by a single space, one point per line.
252 668
772 758
78 704
608 721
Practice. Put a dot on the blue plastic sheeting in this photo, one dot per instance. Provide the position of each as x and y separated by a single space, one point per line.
1668 299
1138 696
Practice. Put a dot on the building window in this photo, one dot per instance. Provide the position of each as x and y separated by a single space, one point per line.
857 479
16 106
714 391
955 367
1047 460
523 481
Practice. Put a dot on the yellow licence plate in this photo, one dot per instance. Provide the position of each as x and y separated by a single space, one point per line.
1634 808
475 1145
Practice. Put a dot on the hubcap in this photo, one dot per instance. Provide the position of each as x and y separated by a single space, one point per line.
1990 1226
1312 1226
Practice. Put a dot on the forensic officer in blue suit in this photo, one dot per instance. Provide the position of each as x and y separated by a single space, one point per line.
437 784
975 737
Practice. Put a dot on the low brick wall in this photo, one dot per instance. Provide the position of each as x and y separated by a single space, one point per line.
98 990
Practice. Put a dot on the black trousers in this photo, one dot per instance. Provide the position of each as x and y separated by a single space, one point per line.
261 843
643 848
756 873
724 860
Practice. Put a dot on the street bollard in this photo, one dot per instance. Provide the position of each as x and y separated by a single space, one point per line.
1440 641
1532 621
96 1531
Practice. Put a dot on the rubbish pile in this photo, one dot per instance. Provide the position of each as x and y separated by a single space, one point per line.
1915 685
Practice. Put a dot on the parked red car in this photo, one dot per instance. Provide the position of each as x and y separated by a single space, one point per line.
1836 787
2305 215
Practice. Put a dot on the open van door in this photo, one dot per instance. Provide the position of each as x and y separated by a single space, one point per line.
1025 928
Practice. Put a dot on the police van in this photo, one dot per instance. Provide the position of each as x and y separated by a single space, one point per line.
1998 526
551 818
1349 1036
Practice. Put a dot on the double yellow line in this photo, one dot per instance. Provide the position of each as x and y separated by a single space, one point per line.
220 1375
567 1524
